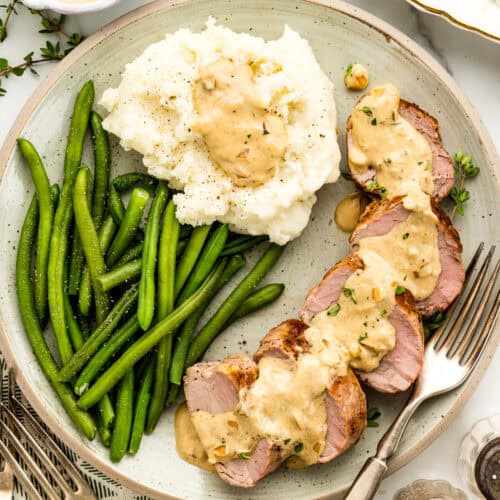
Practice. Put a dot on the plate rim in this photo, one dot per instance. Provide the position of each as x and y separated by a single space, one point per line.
447 16
374 22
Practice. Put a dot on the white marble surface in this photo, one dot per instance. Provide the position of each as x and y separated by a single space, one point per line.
475 64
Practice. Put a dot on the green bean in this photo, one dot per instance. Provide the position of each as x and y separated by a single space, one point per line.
62 220
29 316
185 231
147 288
124 415
120 274
166 299
232 303
105 413
127 181
77 259
181 246
99 335
41 181
131 254
206 261
123 183
258 299
105 416
102 165
72 160
74 331
54 194
105 236
103 355
235 264
243 246
90 242
237 239
141 408
78 128
148 340
190 256
129 225
173 392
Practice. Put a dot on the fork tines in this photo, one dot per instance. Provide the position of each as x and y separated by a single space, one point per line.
37 462
473 316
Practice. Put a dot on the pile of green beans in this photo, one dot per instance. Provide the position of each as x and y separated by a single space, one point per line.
126 304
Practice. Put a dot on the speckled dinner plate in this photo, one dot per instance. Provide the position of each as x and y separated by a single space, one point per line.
339 34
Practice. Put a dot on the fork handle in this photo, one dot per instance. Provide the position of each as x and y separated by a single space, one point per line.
370 476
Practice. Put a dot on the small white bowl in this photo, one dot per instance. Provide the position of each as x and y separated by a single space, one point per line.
70 6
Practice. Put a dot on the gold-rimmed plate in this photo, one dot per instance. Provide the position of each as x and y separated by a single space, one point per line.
480 16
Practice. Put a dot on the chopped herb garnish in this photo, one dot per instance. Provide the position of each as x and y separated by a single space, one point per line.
348 71
333 311
363 337
400 290
372 415
464 169
244 456
383 312
433 323
376 187
427 166
286 441
405 236
298 447
367 111
349 292
374 121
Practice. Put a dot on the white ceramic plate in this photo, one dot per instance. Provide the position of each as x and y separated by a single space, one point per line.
480 16
339 35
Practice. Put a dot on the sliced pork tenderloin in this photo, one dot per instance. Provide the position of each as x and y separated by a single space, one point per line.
328 291
442 165
214 387
345 400
382 215
399 368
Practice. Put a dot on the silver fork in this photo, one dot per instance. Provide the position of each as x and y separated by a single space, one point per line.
450 357
34 458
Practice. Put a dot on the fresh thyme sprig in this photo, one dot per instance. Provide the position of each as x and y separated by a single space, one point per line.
464 169
10 8
50 52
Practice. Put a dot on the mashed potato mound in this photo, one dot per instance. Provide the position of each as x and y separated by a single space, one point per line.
152 111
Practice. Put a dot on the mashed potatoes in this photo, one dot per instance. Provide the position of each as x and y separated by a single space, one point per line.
153 112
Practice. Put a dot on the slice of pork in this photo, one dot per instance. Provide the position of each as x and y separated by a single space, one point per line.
328 291
381 216
399 368
214 387
345 400
442 165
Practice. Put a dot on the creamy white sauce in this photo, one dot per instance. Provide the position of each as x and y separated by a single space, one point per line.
286 404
